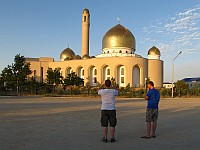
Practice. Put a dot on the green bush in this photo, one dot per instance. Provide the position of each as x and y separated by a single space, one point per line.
165 92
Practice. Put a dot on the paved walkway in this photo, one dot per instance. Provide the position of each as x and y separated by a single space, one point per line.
42 123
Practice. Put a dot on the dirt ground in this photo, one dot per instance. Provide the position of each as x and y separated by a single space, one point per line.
52 123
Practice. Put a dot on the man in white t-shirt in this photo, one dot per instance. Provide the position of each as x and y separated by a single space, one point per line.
108 109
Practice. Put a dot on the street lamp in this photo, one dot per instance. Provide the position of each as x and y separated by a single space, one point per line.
173 73
145 85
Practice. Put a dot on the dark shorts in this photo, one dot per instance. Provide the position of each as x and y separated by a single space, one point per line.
108 117
151 115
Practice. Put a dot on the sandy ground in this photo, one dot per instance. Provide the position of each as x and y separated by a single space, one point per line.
42 123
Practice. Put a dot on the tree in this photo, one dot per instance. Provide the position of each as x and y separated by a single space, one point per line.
128 87
72 80
181 88
165 92
146 84
17 73
54 77
7 77
195 89
114 83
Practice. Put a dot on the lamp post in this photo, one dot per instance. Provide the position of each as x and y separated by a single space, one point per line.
145 85
173 73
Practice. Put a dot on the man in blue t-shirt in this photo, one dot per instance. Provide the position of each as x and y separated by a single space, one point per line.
153 98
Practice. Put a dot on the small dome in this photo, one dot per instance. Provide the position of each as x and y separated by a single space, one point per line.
67 54
77 57
86 56
86 11
118 36
154 51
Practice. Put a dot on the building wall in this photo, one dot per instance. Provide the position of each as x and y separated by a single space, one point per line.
39 67
155 72
114 63
168 85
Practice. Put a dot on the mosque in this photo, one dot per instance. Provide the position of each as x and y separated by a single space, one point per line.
118 60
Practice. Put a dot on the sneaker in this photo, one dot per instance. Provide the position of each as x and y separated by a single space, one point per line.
145 137
104 140
112 140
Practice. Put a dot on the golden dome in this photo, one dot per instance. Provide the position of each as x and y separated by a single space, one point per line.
86 11
67 54
154 51
118 36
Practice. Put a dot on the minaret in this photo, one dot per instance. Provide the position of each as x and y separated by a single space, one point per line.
85 32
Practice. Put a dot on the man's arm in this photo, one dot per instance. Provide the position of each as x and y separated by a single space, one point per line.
148 95
101 86
147 98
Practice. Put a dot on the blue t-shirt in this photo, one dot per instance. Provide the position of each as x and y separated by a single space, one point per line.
154 98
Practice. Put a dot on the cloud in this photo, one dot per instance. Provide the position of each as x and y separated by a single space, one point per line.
175 33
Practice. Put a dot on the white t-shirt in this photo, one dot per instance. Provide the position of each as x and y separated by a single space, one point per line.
108 98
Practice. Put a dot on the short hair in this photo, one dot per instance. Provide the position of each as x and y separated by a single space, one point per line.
151 83
108 83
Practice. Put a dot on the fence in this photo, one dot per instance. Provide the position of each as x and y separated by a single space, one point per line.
86 91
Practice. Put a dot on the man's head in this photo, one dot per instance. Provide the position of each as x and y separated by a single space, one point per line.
150 85
108 83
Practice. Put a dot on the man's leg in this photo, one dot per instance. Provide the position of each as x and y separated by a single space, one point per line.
148 120
148 129
104 124
105 132
154 128
112 132
113 123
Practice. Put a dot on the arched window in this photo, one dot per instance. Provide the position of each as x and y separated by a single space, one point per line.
126 51
82 72
95 72
136 76
95 79
68 70
122 80
120 51
108 72
122 71
93 76
61 72
84 18
34 74
122 76
107 51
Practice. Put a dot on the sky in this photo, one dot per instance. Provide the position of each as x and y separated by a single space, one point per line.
41 28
